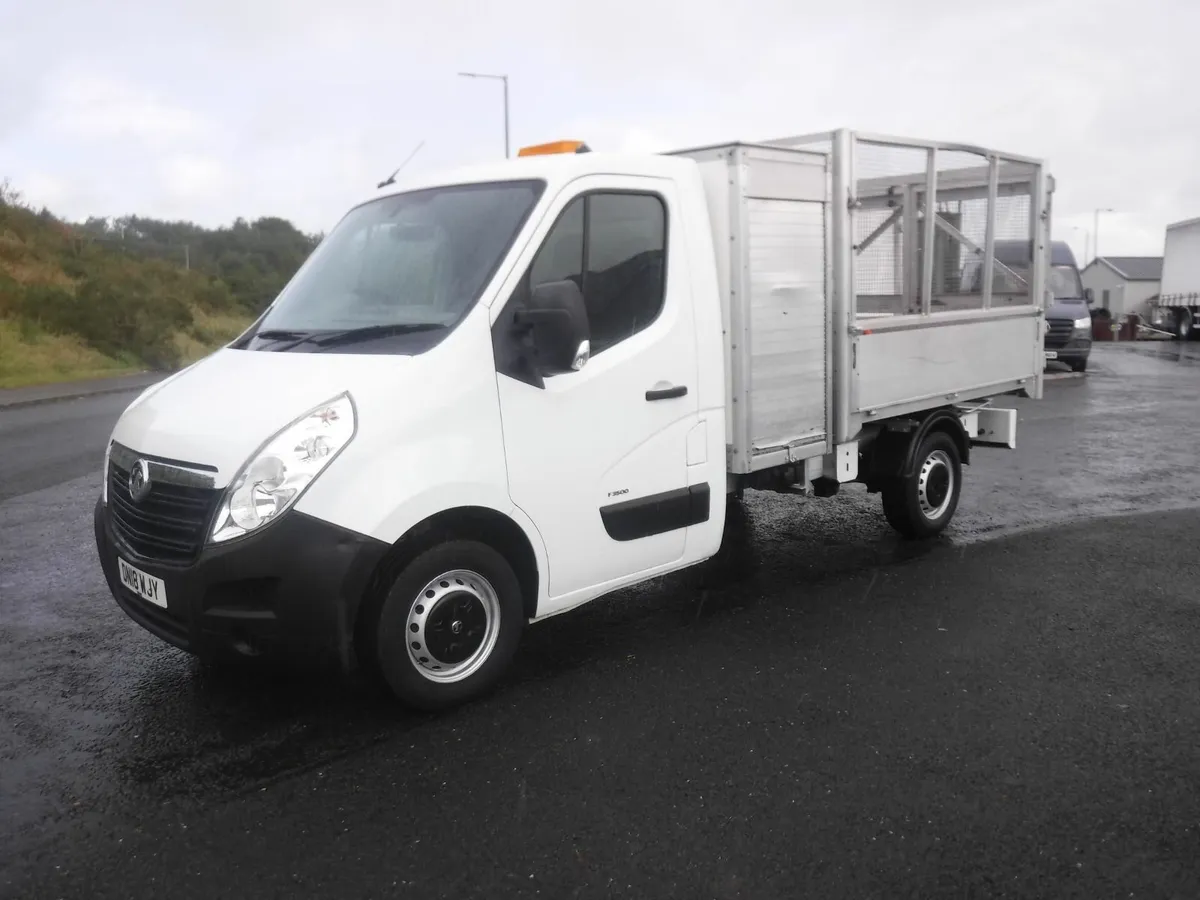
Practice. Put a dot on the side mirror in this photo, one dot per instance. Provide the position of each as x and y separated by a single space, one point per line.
1089 295
556 314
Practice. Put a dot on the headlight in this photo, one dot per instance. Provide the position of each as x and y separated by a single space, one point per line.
1084 324
275 477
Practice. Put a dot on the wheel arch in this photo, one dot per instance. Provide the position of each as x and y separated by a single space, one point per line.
893 451
481 523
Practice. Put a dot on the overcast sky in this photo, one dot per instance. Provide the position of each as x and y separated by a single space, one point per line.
216 109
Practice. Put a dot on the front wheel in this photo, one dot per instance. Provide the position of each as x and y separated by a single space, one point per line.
449 626
922 504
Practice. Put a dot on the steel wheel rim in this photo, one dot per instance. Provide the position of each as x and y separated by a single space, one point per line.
935 484
453 625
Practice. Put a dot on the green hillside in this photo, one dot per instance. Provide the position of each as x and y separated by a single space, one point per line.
81 300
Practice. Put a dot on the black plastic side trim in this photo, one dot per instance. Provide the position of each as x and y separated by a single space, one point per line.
657 513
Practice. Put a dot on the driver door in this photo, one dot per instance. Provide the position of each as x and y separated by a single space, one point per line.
598 458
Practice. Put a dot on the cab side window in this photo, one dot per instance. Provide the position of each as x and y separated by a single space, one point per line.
613 245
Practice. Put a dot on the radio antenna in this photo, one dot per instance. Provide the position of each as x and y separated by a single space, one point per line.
391 179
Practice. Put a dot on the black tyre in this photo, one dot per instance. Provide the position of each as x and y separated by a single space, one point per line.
1080 366
921 505
1183 324
449 626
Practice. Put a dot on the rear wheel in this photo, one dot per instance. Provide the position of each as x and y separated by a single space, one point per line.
449 625
1183 324
922 504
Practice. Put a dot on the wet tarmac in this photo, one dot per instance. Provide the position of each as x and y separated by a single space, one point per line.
1008 711
46 445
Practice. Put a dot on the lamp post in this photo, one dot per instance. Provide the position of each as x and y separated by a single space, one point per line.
1087 241
1096 231
501 78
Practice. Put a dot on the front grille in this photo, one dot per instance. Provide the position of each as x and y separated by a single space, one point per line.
1059 332
168 525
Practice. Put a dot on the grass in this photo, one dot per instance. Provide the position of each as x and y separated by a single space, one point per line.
80 301
208 332
29 356
216 329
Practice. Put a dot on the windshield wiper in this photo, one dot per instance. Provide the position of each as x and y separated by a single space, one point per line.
330 338
294 337
367 332
282 334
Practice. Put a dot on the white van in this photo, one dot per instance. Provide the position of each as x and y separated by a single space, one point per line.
491 396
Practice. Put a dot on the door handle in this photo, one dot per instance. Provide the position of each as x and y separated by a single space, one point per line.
679 390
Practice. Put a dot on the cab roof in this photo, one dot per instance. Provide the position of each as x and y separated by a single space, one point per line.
555 169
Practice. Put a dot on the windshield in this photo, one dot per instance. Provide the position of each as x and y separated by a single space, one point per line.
1061 281
415 259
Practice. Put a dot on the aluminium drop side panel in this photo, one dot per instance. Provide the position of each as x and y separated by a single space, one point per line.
954 358
787 322
784 211
768 219
1181 264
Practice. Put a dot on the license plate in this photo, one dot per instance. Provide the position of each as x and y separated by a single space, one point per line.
143 584
1051 354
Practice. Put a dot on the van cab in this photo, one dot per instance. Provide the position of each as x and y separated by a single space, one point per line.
390 429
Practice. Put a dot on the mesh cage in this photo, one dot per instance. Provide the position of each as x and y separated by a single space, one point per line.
882 224
889 229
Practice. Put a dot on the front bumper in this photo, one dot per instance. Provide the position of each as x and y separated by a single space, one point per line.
1073 350
291 591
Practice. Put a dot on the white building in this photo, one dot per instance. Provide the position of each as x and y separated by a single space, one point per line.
1124 284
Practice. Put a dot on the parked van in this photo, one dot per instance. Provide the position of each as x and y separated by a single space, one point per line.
1068 316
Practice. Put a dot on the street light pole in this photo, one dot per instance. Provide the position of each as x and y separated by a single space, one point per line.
1087 241
1096 232
504 80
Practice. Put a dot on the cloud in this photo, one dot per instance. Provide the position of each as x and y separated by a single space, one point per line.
213 109
191 178
90 106
49 190
616 137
